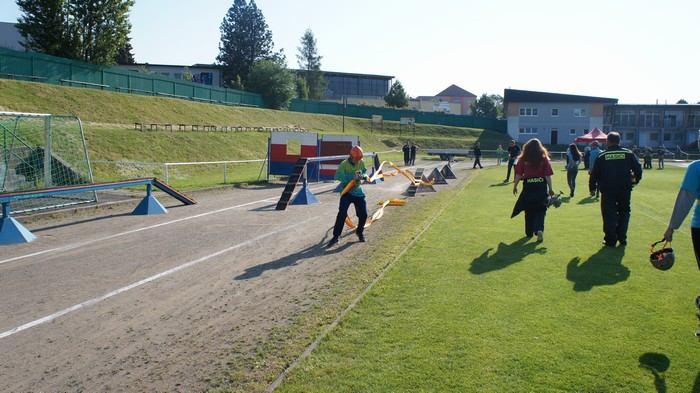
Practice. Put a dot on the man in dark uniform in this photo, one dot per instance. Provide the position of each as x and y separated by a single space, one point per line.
413 154
513 153
406 154
615 171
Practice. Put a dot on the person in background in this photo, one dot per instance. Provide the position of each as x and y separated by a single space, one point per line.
593 153
513 152
535 170
647 158
414 148
353 168
660 156
587 158
687 196
499 155
573 159
477 156
615 172
406 154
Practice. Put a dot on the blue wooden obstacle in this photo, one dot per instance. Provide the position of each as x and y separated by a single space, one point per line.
13 232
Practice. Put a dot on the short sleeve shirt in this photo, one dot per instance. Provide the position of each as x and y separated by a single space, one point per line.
527 171
691 183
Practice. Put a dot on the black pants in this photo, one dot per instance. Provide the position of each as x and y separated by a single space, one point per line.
412 161
477 161
695 234
406 159
534 220
360 209
511 162
571 178
615 208
647 163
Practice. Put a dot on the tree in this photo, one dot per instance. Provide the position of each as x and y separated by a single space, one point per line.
397 97
682 101
498 101
302 88
102 28
125 54
245 40
310 63
484 106
92 31
186 74
273 81
44 27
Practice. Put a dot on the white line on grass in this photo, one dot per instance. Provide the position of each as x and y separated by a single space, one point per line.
137 284
280 378
120 234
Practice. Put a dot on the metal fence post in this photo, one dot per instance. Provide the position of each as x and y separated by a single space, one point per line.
225 170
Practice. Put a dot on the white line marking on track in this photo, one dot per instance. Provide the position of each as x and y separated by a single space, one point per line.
137 284
120 234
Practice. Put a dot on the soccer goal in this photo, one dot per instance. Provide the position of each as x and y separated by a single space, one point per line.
41 151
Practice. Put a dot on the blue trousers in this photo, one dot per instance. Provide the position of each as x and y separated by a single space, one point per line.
360 209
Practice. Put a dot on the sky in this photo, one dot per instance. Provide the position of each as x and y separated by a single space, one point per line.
640 51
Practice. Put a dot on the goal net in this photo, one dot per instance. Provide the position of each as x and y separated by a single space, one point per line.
40 151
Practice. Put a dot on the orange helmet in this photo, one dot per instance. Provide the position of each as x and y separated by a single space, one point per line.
356 153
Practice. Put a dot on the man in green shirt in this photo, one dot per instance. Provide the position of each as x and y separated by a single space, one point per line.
352 169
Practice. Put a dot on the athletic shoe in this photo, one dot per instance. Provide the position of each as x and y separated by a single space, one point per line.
606 244
332 242
572 194
540 236
623 243
361 238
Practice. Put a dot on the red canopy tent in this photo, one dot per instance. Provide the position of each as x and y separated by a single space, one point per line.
594 135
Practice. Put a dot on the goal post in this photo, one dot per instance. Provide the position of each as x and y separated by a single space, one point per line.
39 151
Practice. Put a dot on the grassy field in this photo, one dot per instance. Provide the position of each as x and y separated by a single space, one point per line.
474 306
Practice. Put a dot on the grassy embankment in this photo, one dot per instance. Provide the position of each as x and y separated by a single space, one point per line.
109 119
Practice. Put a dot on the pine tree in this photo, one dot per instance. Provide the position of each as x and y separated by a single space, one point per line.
125 54
44 27
397 96
245 39
310 63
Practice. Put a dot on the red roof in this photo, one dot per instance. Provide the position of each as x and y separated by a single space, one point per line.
454 91
594 135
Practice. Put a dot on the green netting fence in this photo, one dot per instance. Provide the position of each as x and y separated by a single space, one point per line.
366 112
44 68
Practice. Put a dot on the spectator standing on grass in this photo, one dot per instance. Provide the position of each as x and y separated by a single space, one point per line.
414 148
351 169
513 152
660 156
499 155
573 159
647 158
477 156
406 154
593 153
535 170
687 196
615 172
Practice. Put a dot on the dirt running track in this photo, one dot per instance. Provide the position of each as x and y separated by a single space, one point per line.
137 303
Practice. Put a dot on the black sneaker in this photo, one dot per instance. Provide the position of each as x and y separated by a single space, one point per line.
623 243
361 238
332 242
606 244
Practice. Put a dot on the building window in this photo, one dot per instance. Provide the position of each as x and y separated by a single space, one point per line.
555 112
177 76
624 119
528 130
678 137
629 136
670 121
654 136
649 119
528 112
667 136
580 112
572 131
